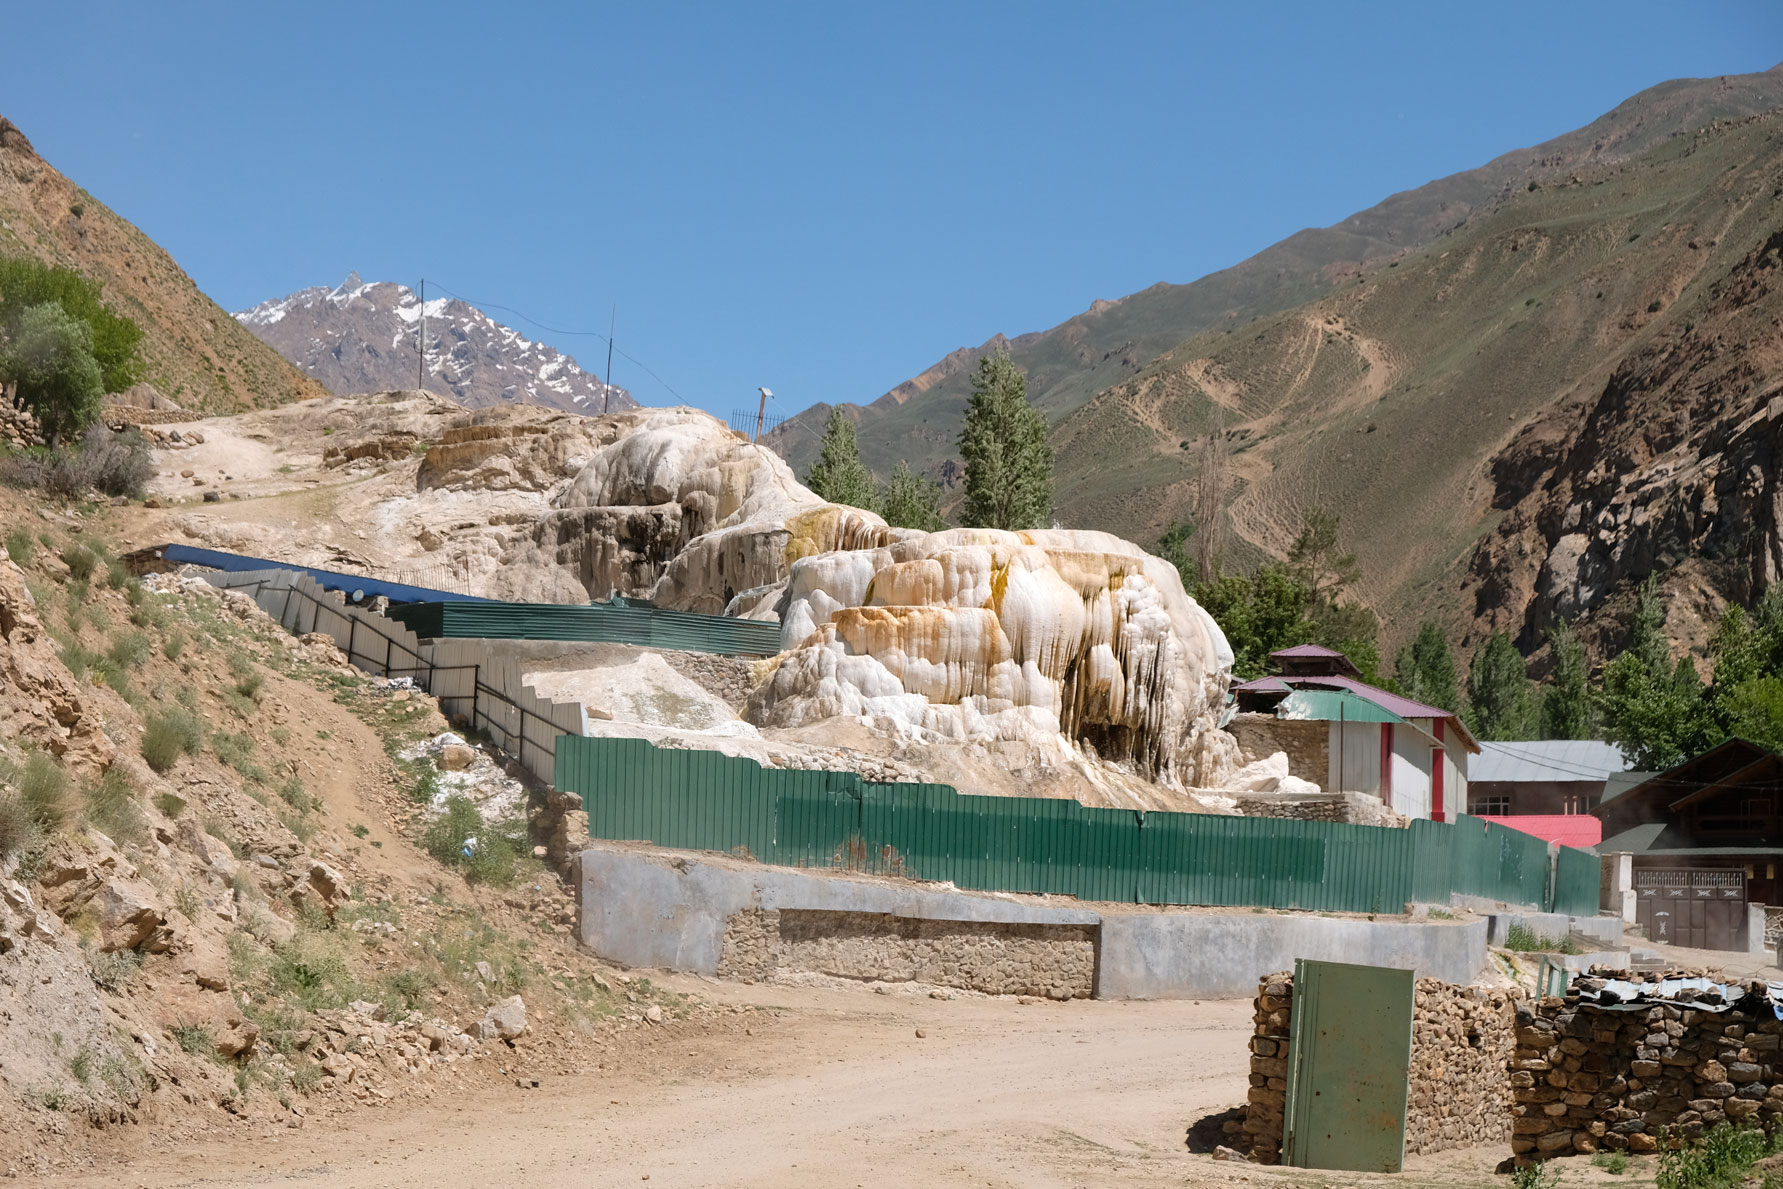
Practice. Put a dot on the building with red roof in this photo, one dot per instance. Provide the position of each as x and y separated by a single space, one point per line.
1347 736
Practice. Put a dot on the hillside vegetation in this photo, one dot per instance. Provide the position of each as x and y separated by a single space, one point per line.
1112 341
192 350
1424 399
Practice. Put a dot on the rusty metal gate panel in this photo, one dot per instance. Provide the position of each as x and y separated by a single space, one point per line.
1349 1061
1702 908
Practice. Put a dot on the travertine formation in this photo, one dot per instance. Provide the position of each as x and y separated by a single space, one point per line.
1459 1091
1586 1079
1056 961
981 636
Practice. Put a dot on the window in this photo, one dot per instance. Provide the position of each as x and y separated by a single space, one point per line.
1490 806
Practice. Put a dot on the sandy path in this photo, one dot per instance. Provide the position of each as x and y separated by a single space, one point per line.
836 1090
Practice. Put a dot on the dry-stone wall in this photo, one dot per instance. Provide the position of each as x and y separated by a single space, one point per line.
1306 741
1356 809
1459 1092
1586 1078
1057 961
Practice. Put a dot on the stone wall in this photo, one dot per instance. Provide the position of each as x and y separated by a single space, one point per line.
1056 961
1773 926
1586 1079
1459 1091
1306 741
1356 809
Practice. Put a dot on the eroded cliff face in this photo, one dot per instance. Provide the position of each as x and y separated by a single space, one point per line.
1671 468
979 636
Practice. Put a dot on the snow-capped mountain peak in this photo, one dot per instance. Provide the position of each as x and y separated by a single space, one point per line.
361 337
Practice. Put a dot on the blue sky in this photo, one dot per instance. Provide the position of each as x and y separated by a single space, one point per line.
822 198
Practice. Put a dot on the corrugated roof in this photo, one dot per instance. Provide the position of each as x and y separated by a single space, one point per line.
1545 760
236 563
1333 704
1303 650
1568 829
1618 783
1661 838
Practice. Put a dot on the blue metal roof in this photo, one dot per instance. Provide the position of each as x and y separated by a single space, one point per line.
236 563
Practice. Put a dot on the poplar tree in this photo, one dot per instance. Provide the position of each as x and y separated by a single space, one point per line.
1008 459
1567 710
1500 701
839 475
1426 670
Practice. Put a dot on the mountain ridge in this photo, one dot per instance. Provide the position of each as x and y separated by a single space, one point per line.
360 337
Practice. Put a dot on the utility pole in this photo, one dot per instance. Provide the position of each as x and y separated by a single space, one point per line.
421 344
761 413
607 392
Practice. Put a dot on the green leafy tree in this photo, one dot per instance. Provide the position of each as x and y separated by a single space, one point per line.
1322 566
1567 708
1259 614
49 354
115 340
1500 699
1426 669
839 475
1654 708
1007 455
911 501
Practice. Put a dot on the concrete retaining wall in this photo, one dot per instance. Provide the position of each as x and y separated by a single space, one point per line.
1170 955
673 910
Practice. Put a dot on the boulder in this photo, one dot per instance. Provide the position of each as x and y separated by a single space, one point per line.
503 1021
130 918
457 757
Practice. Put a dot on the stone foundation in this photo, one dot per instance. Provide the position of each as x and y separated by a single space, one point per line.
1586 1079
1056 961
1460 1087
1356 809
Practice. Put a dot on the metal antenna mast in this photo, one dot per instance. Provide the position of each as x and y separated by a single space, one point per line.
607 393
421 343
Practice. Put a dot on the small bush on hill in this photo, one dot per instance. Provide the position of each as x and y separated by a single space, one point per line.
43 787
169 735
81 562
21 547
112 806
107 462
17 830
487 852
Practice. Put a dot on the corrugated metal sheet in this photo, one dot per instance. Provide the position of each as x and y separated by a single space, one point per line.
607 623
709 801
1546 760
1334 705
396 592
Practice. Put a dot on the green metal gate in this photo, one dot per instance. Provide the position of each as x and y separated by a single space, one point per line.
1349 1063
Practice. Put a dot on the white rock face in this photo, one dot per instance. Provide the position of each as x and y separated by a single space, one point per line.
982 636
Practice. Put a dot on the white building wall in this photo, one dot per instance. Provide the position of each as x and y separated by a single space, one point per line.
1411 773
1355 760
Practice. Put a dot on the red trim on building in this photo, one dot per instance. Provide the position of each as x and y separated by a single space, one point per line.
1436 765
1387 764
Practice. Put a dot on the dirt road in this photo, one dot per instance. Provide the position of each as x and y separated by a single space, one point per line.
837 1089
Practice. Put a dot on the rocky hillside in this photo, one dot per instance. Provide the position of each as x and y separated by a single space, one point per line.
1113 341
193 350
1556 396
360 337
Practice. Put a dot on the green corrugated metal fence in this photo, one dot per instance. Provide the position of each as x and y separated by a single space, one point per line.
606 623
703 800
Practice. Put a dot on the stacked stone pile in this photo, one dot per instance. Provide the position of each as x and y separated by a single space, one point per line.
1459 1091
1586 1078
18 425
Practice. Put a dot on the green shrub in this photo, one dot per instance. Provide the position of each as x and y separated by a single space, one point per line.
17 829
195 1039
1719 1160
113 970
427 783
169 735
43 787
128 651
1535 1176
20 546
237 750
495 854
311 970
173 645
113 807
170 804
81 563
1614 1163
103 461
